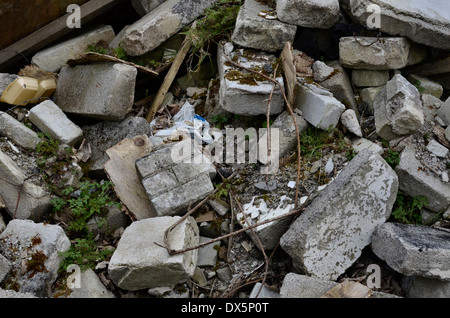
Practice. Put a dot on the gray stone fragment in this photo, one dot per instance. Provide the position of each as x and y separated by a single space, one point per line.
309 13
251 98
90 287
20 134
145 6
369 78
34 250
386 54
50 119
437 149
368 96
174 179
414 250
422 287
207 255
318 105
398 109
427 85
350 121
444 112
100 90
34 200
139 263
330 234
288 133
414 181
105 135
161 23
55 57
256 32
264 293
5 268
425 23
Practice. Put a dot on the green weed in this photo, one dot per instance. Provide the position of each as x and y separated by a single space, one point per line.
407 209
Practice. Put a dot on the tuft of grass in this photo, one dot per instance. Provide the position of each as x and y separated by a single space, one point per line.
407 209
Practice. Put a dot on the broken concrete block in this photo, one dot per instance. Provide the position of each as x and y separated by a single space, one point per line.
330 234
437 149
415 180
264 293
318 105
106 134
34 251
145 6
55 57
173 181
431 104
423 287
34 200
258 211
427 85
338 83
288 133
368 96
359 144
100 90
421 23
90 287
369 78
5 268
207 255
350 121
256 32
50 119
139 263
414 250
161 23
384 54
20 134
245 93
302 286
309 13
444 112
398 109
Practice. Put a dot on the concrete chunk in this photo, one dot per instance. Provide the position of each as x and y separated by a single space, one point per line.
55 57
24 241
245 93
34 200
309 13
161 23
368 78
103 91
20 134
318 106
50 119
414 180
398 109
425 23
256 32
139 263
330 234
414 250
384 54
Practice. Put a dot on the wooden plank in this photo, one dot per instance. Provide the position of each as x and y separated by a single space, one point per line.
290 74
348 289
121 171
13 13
168 80
52 32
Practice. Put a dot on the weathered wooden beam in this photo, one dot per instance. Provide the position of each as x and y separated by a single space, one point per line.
52 32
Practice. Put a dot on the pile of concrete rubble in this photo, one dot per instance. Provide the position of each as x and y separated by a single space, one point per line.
290 216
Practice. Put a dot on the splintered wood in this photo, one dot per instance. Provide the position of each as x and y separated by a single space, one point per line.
122 172
290 73
348 289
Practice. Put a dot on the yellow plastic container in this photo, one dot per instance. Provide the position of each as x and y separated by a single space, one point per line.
46 89
21 90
